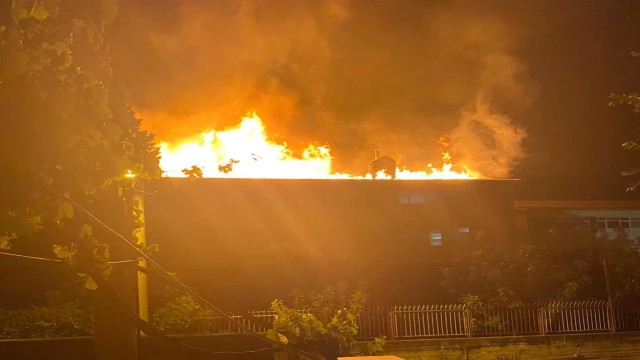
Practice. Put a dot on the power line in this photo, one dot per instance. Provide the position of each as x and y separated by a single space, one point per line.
29 257
164 273
26 257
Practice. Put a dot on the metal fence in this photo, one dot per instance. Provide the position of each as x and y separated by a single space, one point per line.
457 320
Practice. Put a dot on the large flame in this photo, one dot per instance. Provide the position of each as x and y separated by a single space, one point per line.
245 151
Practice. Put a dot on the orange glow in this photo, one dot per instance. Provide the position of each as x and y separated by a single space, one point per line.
245 151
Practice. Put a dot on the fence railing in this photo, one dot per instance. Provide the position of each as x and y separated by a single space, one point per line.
457 320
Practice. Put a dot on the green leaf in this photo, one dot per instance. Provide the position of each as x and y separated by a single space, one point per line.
37 9
20 9
66 210
86 230
61 252
90 283
5 242
34 223
39 12
151 249
273 335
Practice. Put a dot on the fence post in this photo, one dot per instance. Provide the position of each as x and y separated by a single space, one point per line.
542 322
392 324
611 316
469 315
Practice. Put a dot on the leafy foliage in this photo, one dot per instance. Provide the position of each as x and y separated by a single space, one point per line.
632 99
59 318
563 266
184 316
375 348
67 131
330 326
514 275
624 273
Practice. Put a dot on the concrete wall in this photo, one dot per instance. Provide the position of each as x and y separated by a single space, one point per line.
593 346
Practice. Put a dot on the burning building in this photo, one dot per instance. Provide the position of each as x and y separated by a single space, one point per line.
246 151
257 212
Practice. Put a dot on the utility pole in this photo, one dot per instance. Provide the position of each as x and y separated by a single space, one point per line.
143 282
136 206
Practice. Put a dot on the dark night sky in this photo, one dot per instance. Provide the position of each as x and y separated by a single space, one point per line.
393 74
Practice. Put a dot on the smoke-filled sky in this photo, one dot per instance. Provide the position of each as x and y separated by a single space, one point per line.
512 82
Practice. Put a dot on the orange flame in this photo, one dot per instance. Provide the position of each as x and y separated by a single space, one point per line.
245 151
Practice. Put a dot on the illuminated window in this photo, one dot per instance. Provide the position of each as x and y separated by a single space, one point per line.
435 239
463 230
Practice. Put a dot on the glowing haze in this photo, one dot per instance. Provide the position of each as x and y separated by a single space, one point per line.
245 151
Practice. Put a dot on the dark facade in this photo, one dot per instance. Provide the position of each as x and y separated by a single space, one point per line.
327 215
313 231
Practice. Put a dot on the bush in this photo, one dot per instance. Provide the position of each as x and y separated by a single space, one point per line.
330 326
184 316
59 318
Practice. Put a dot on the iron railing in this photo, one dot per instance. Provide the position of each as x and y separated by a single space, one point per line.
457 320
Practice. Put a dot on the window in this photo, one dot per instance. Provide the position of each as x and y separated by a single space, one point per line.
618 223
463 230
412 198
624 223
577 224
435 239
613 223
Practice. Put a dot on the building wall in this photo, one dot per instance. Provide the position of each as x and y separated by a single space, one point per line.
314 231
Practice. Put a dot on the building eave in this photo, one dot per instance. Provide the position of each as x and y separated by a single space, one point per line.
600 205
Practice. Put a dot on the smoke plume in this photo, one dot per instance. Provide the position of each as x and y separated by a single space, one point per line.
484 139
355 75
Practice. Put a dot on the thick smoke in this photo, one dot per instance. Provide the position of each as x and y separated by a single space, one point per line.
486 140
221 59
489 141
356 75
